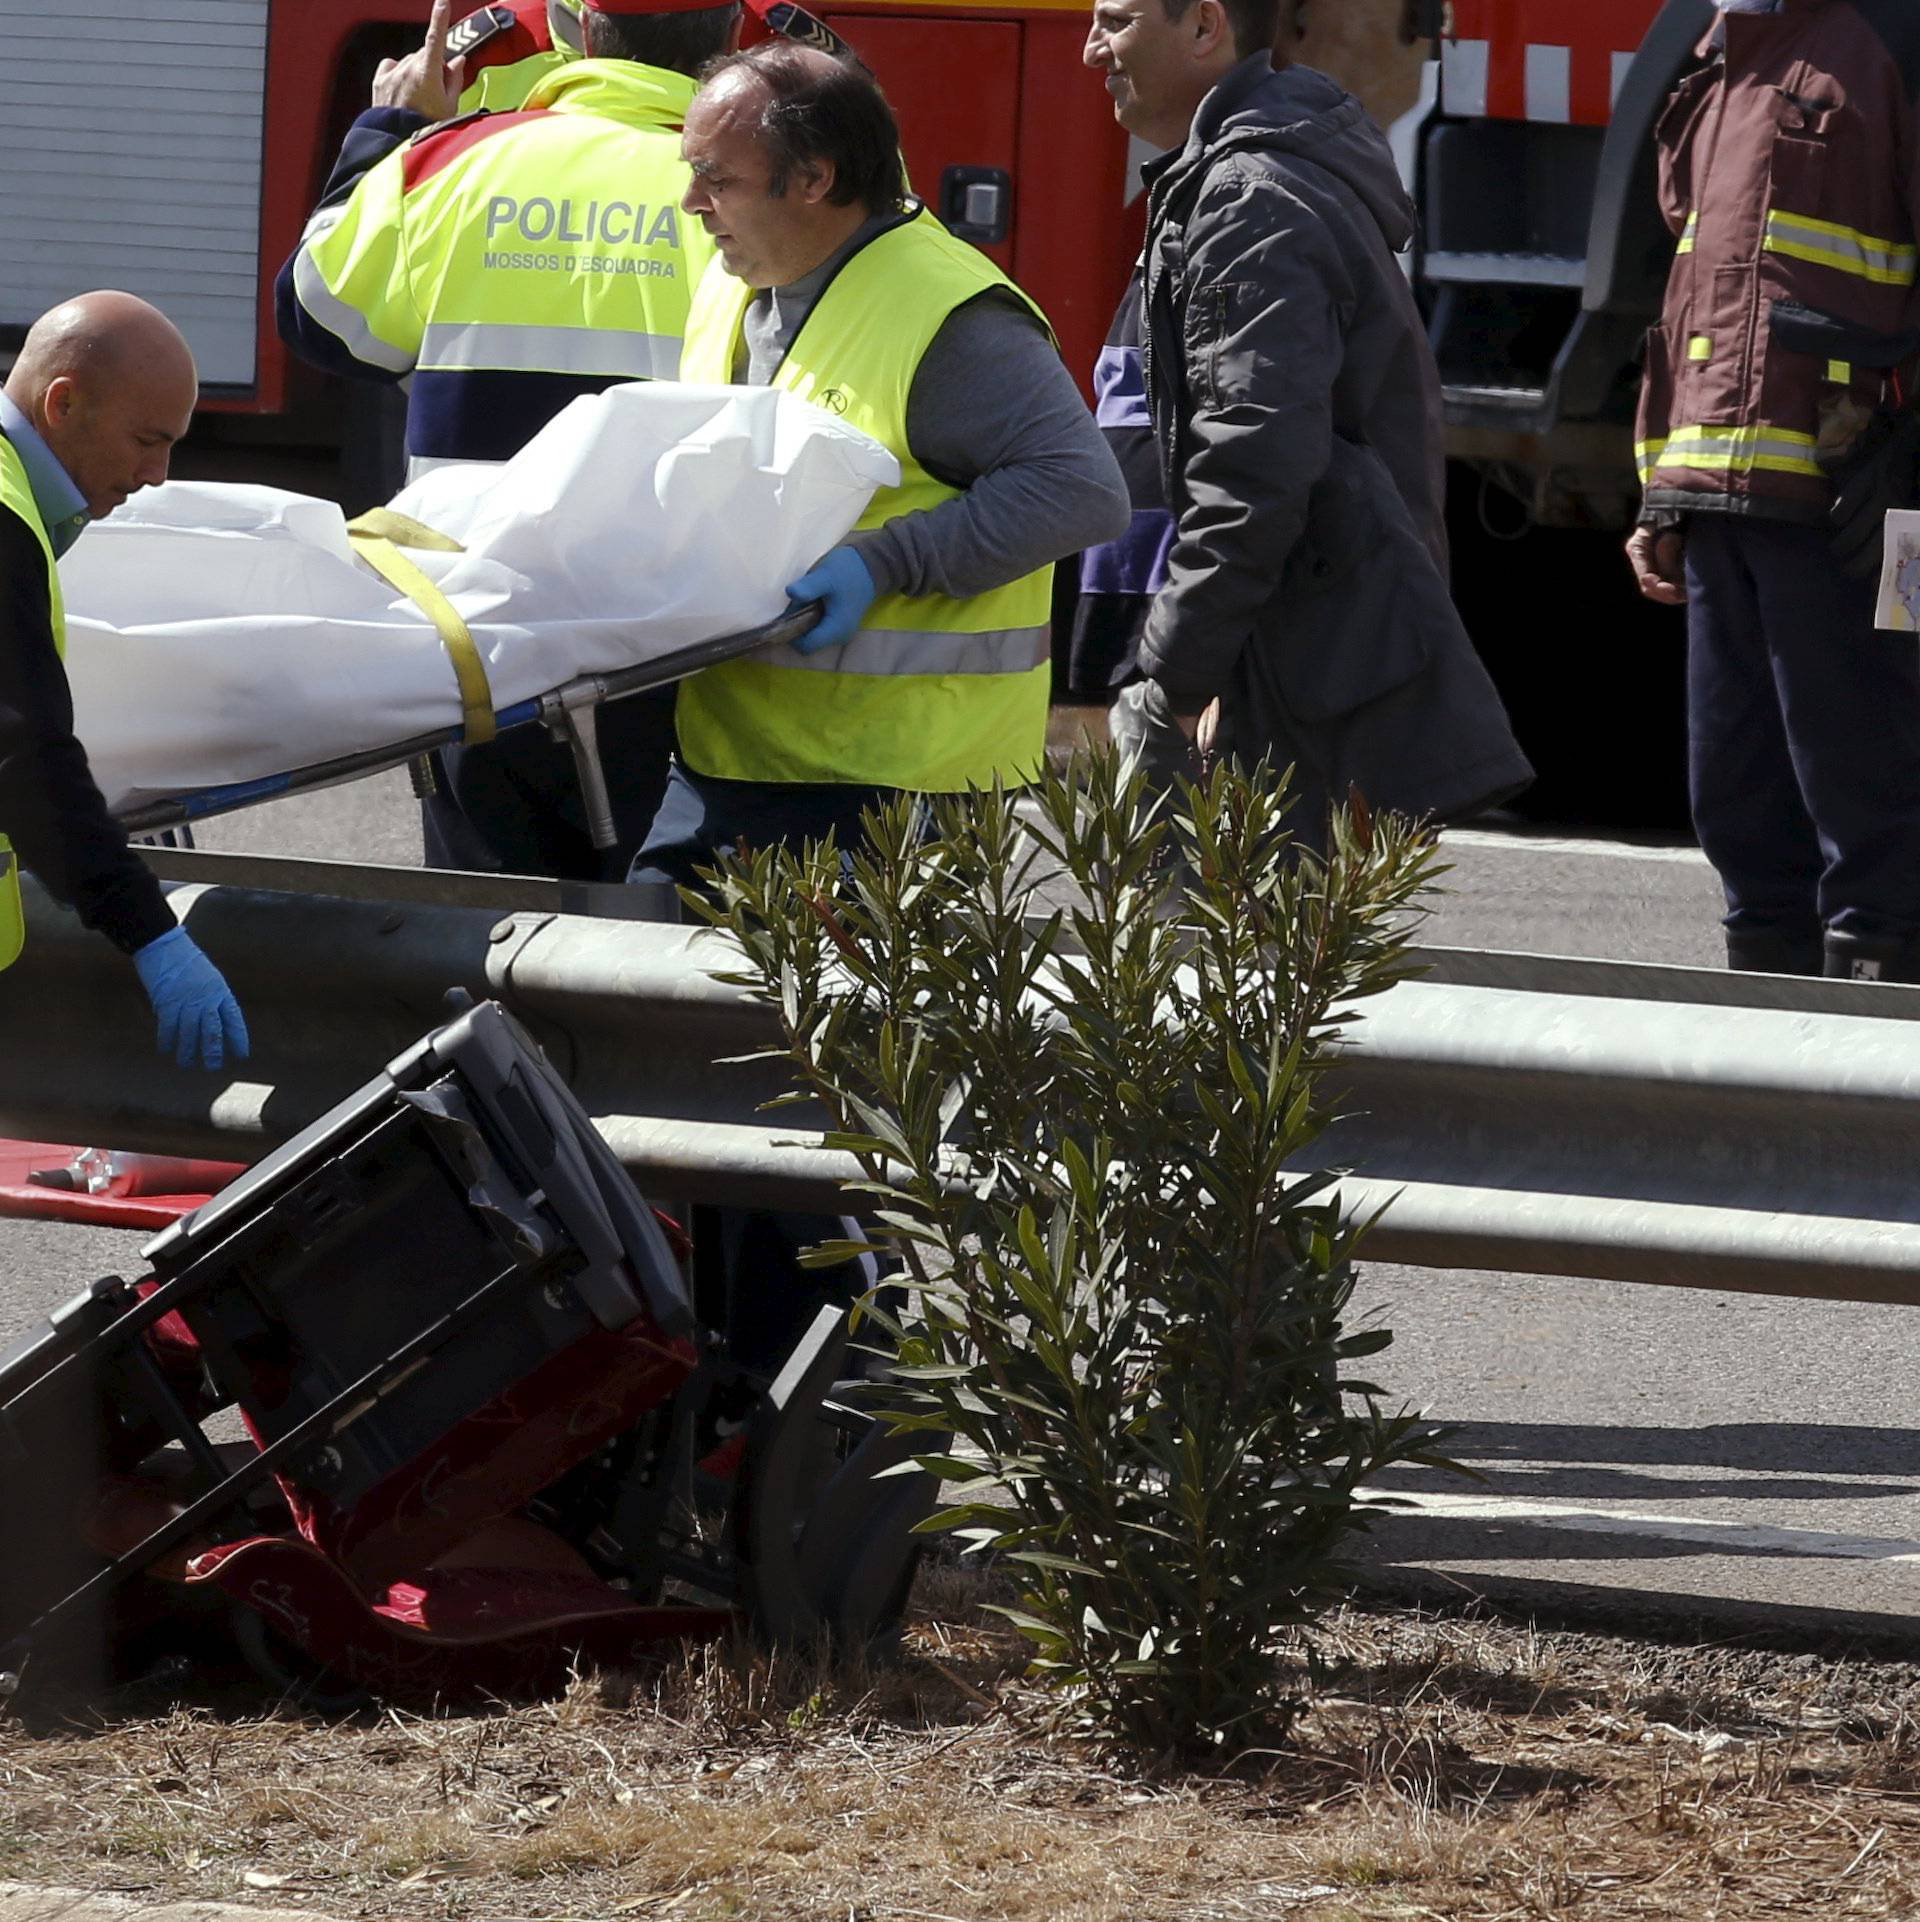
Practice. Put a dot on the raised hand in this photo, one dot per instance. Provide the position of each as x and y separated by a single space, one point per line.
426 82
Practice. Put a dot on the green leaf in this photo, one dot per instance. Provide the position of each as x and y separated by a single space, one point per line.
1042 1631
1042 1558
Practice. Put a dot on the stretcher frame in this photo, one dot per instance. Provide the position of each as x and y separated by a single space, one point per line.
569 713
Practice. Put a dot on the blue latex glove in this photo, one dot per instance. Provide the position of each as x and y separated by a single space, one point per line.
840 579
199 1018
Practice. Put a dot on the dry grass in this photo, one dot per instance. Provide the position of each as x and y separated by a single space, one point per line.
1449 1769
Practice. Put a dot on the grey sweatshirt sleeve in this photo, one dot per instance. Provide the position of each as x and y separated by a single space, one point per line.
995 413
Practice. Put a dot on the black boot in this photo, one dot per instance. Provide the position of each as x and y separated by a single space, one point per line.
1872 957
1775 950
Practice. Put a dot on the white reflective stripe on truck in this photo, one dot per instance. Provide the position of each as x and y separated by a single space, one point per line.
1463 78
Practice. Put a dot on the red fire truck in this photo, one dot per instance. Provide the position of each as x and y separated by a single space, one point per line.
188 180
1541 261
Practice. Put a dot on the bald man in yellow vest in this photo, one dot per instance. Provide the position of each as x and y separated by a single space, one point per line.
103 388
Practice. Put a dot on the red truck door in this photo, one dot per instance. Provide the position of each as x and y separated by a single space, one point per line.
1013 144
955 85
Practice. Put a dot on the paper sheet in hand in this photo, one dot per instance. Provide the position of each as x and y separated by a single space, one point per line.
221 633
1899 606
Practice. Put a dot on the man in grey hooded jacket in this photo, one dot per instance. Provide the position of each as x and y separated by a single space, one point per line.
1297 410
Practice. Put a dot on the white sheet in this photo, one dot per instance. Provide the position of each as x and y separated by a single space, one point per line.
226 633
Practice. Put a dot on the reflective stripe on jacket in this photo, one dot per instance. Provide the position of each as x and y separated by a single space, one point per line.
932 694
1787 173
16 497
509 263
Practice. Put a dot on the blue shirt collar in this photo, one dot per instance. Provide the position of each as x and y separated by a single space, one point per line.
63 508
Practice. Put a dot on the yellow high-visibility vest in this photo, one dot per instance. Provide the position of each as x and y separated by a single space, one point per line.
491 255
16 497
504 89
933 693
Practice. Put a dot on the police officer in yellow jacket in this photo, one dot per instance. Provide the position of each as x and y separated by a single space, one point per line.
103 387
503 265
489 62
929 670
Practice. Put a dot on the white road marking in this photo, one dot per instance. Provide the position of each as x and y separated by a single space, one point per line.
1700 1530
1546 844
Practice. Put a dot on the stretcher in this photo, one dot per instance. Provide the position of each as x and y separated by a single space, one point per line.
233 644
569 713
470 1372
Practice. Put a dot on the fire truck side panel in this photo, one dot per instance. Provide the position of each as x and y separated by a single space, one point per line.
149 180
1080 211
320 61
1013 143
954 83
1546 60
1543 255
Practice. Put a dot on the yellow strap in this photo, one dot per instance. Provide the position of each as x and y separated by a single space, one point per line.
383 524
373 536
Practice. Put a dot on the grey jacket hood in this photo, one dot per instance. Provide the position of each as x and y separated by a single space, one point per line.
1301 112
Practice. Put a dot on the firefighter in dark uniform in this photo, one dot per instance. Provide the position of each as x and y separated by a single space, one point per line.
1775 430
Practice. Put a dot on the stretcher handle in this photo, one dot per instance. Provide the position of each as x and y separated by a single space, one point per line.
572 714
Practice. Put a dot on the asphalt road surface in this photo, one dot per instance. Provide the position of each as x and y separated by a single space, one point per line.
1716 1463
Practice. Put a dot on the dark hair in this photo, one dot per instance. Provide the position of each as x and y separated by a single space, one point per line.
1255 23
680 42
823 111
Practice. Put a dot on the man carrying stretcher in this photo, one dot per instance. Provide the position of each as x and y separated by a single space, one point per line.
103 388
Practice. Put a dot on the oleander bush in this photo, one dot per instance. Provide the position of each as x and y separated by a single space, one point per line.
1075 1044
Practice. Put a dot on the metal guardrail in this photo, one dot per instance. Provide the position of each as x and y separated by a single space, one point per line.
1523 1114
